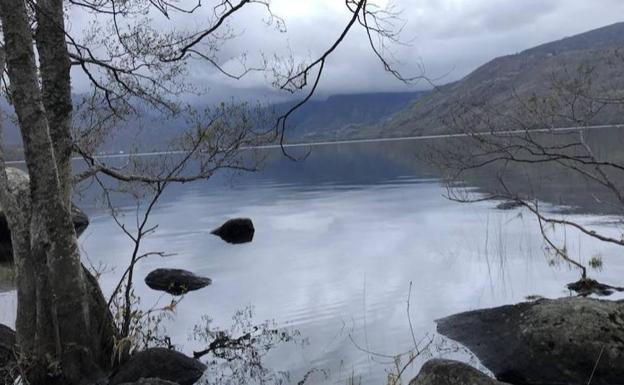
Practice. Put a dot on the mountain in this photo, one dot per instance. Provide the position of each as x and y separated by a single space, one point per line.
592 61
338 115
344 115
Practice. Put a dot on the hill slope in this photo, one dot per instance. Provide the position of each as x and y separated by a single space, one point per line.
344 115
337 115
594 60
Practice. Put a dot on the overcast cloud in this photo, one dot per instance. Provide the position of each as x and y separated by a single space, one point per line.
449 38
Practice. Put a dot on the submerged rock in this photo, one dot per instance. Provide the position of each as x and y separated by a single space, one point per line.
587 286
238 230
509 205
162 364
449 372
560 341
175 281
19 181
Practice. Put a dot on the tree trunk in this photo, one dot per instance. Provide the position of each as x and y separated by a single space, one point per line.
57 329
54 66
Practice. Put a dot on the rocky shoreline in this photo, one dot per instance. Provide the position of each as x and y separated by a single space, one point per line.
571 341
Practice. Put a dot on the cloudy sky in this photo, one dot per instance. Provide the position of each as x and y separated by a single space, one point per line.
446 38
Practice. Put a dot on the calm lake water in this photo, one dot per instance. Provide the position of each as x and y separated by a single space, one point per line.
340 237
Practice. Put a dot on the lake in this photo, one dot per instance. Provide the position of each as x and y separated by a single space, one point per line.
342 239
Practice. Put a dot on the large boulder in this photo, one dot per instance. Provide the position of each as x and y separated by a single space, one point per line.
19 182
562 341
160 363
238 230
175 281
7 355
448 372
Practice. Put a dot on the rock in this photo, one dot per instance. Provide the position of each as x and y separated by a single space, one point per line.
18 180
162 364
587 286
557 341
150 381
80 219
238 230
7 342
175 281
8 368
449 372
509 205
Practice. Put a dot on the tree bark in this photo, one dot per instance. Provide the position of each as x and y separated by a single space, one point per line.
59 339
54 66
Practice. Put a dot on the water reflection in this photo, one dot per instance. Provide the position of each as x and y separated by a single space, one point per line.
339 237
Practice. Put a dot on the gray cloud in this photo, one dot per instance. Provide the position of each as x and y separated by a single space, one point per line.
448 37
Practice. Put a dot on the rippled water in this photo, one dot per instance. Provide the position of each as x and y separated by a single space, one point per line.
339 238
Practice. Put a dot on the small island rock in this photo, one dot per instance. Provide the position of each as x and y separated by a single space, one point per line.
175 281
238 230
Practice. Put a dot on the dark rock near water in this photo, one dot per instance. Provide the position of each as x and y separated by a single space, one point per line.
80 219
509 205
162 364
238 230
8 370
18 180
449 372
586 286
150 381
7 343
175 281
560 341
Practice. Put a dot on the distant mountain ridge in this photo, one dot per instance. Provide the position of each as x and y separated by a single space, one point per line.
503 82
344 115
338 115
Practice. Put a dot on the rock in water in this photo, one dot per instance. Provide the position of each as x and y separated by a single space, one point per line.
175 281
449 372
587 286
558 341
160 363
509 205
238 230
19 181
80 219
7 355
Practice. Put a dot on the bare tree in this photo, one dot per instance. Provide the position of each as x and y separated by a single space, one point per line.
548 133
64 329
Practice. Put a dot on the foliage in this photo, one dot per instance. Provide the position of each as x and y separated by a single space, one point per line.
236 356
146 327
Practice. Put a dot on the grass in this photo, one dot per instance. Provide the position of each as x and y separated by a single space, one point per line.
595 262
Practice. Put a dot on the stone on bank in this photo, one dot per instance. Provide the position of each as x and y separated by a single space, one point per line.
561 341
159 363
449 372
